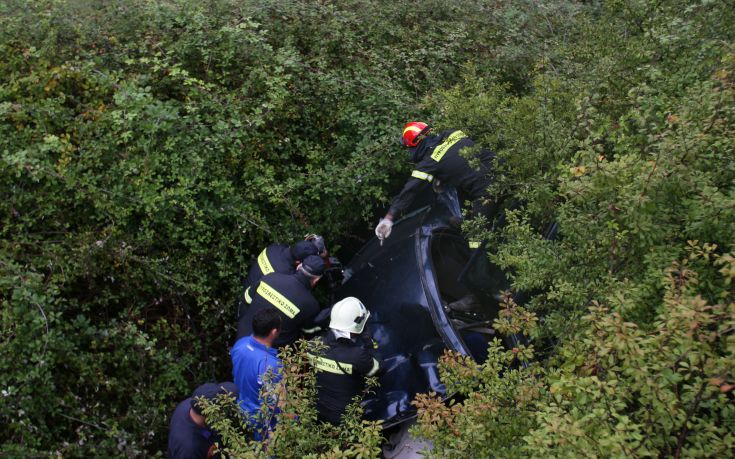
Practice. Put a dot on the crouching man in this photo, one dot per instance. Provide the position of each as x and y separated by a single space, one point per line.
347 360
189 435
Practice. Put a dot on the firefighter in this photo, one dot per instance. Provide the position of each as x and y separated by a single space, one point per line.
437 158
189 435
280 258
291 295
347 360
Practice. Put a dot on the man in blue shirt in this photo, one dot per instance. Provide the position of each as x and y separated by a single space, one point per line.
257 371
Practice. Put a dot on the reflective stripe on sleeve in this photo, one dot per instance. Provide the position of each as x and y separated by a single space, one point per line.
264 263
422 176
474 244
279 301
330 366
375 368
248 298
448 143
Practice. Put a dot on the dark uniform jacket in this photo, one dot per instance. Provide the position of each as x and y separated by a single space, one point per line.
274 258
438 157
291 295
341 372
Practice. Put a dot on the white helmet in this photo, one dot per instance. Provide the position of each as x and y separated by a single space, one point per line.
349 315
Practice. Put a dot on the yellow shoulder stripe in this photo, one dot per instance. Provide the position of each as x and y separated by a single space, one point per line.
448 143
279 301
265 263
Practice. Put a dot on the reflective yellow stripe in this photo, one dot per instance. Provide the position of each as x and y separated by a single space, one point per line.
264 263
248 298
375 368
422 176
415 129
330 366
441 150
276 299
474 244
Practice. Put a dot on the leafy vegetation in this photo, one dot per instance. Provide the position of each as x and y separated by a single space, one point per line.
624 140
149 149
298 432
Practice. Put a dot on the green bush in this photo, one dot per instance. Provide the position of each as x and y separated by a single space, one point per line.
298 431
624 141
150 149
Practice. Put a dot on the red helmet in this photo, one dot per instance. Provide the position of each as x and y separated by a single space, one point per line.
413 133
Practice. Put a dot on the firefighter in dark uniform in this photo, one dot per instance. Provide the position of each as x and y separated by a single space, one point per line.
347 360
279 258
291 296
438 158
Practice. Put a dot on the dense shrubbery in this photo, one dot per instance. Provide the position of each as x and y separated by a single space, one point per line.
625 140
150 148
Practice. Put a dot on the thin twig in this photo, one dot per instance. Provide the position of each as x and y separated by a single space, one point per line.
85 422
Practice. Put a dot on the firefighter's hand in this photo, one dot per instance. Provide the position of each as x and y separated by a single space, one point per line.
383 229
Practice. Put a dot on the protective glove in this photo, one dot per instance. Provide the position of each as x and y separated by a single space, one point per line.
383 229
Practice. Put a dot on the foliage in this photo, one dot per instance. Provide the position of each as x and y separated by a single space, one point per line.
497 397
298 432
149 150
617 391
623 144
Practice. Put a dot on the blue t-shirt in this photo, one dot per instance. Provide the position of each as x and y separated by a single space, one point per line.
250 362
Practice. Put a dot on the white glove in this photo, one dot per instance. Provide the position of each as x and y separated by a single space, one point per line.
383 229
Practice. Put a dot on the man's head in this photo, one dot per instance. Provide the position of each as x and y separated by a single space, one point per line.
313 268
267 325
413 133
303 249
349 315
319 243
208 392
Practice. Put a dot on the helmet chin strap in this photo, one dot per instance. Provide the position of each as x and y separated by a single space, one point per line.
341 333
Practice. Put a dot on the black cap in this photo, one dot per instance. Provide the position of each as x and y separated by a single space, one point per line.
210 391
303 249
313 265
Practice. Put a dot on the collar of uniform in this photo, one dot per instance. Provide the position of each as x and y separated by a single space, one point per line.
262 347
416 154
302 278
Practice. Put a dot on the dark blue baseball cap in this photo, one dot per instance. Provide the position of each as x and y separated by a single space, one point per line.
210 391
303 249
313 265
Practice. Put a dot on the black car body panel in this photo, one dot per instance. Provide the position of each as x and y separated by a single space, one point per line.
399 285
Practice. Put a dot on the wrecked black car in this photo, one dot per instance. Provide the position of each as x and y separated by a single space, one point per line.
407 284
